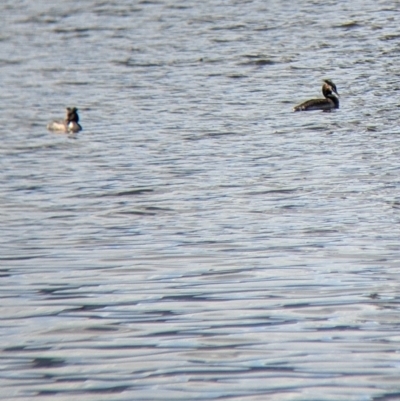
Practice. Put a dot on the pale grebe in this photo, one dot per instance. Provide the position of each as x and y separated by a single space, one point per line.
70 124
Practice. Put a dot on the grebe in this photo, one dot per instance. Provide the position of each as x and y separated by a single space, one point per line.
70 124
330 102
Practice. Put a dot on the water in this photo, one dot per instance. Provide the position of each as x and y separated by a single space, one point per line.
198 240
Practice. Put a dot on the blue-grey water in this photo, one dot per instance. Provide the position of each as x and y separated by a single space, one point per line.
198 240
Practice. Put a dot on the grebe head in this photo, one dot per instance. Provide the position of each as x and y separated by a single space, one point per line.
329 88
72 114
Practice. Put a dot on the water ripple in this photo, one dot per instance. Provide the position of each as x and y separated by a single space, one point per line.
198 240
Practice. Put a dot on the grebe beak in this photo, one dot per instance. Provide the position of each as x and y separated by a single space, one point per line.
335 91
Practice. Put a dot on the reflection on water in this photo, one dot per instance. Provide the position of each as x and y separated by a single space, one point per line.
198 240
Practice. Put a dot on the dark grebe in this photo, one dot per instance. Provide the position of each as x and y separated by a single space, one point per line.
330 102
70 124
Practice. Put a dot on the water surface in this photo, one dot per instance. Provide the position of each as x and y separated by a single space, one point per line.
198 240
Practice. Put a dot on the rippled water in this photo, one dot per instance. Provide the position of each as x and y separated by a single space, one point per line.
198 240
